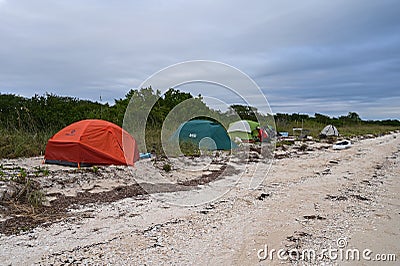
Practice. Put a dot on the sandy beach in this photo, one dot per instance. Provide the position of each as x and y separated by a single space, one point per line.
342 205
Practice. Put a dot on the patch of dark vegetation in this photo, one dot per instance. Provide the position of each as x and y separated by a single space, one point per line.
367 182
164 187
167 167
336 198
189 149
359 197
254 157
294 245
21 224
255 149
83 198
303 147
27 191
206 178
26 212
225 170
303 234
314 217
156 227
24 216
263 196
295 242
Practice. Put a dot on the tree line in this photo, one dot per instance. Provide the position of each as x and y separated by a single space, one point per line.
27 123
351 119
50 112
53 112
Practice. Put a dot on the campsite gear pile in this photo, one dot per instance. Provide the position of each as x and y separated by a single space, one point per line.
247 131
89 142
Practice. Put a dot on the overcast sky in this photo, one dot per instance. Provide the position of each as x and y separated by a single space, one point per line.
329 57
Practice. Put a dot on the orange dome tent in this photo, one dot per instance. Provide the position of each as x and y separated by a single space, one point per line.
90 142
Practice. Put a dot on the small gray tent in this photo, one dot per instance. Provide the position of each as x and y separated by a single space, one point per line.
329 131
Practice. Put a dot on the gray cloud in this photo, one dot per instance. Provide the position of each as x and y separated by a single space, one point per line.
312 56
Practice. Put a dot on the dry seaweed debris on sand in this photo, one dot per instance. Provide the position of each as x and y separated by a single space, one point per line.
25 201
24 204
22 217
207 178
18 214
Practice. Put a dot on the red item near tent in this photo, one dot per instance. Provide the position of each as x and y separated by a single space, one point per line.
92 142
262 135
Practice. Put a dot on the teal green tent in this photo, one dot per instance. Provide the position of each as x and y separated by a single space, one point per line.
205 134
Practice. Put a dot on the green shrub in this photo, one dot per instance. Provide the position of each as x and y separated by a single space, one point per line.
36 198
39 171
167 167
95 169
19 143
189 148
29 190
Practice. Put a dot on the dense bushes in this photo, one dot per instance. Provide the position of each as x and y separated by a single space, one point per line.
349 125
27 123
